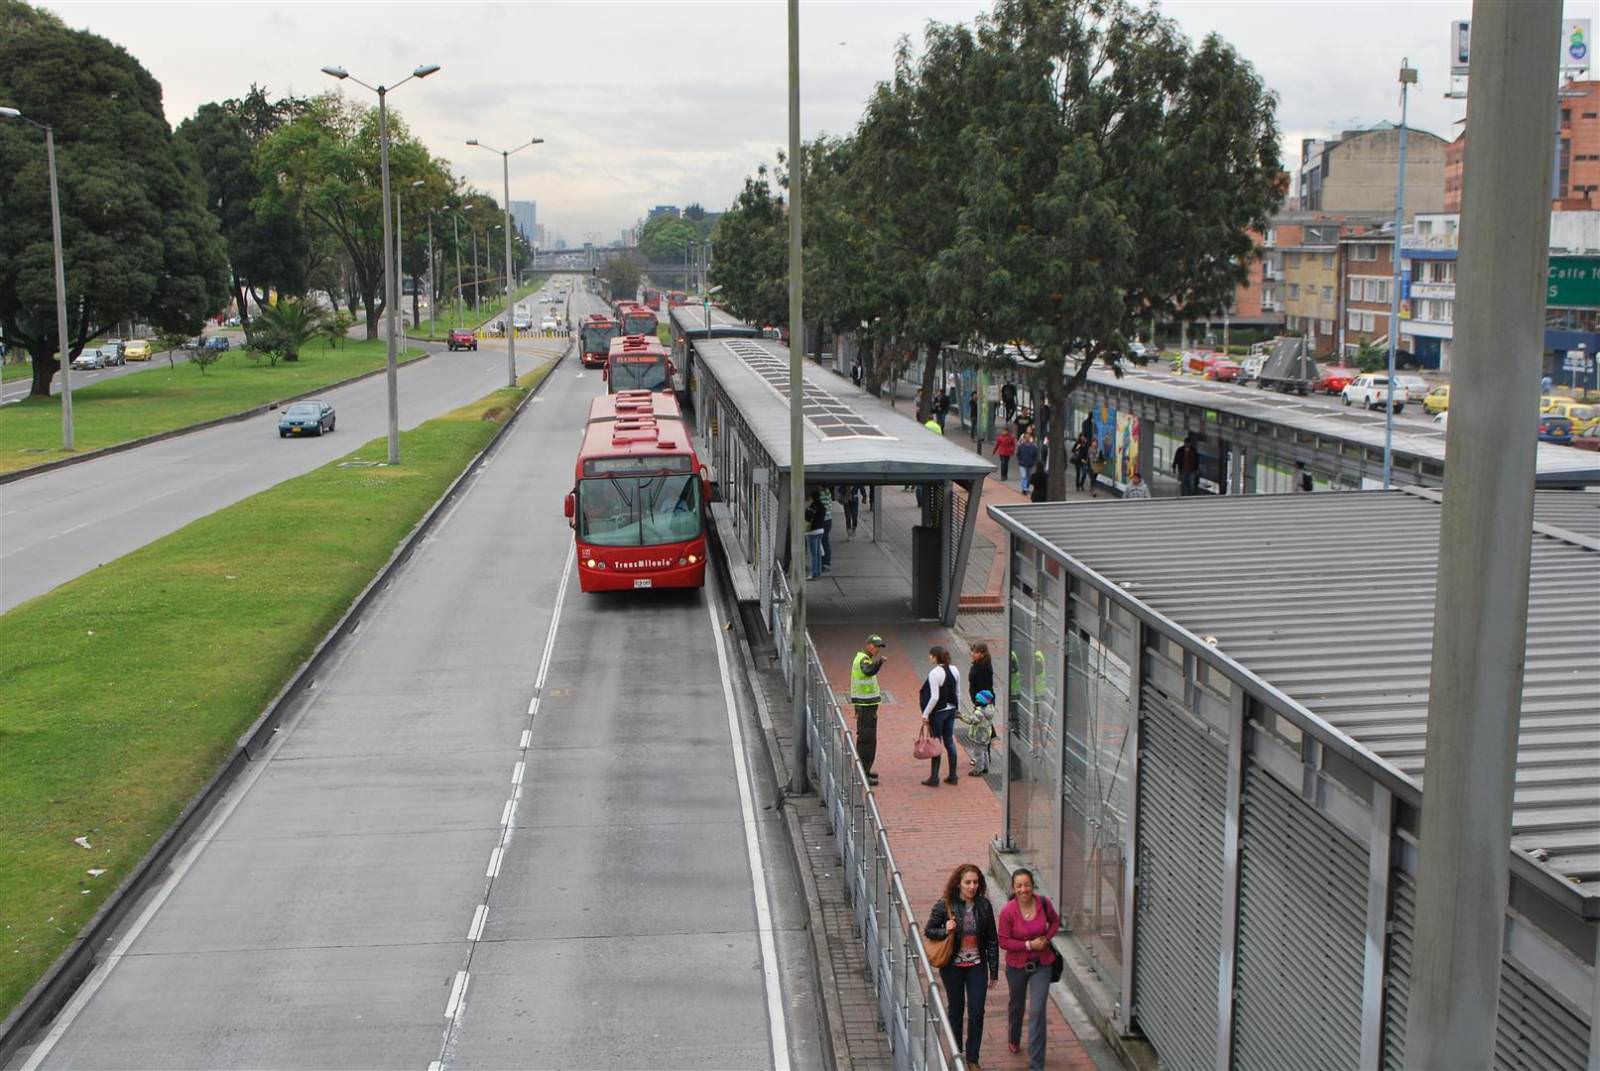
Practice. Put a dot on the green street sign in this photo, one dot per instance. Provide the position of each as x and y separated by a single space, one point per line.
1574 283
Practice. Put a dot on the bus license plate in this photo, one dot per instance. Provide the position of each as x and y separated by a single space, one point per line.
643 582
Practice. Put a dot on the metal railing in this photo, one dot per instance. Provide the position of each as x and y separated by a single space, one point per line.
911 1002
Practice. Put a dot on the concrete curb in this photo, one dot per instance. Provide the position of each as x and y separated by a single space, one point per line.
187 429
51 992
837 1052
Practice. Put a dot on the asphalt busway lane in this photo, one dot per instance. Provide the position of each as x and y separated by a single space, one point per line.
511 825
60 524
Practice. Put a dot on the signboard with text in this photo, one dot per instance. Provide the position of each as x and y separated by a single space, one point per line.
1576 45
1574 283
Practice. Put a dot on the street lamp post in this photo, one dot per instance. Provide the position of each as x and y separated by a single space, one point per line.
62 348
455 227
1408 77
391 290
505 174
416 315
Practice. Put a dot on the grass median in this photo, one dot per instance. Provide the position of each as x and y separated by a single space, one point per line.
166 396
127 687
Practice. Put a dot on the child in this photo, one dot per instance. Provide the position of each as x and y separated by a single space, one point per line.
980 730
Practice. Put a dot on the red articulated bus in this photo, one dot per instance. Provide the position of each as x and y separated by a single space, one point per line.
652 300
676 298
594 337
637 319
637 507
638 362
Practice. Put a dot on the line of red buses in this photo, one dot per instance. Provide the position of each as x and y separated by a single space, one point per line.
635 318
638 502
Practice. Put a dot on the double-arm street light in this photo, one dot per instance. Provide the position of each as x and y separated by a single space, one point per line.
62 348
505 170
391 289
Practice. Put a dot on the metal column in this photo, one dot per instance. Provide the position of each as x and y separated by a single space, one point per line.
1228 943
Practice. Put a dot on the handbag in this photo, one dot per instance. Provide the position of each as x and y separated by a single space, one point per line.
925 747
940 952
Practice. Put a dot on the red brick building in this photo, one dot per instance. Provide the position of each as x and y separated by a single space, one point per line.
1578 177
1366 288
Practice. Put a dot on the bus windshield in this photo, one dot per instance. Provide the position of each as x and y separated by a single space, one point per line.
639 325
639 375
638 511
596 339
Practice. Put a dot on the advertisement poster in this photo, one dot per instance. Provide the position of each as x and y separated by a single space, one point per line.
1105 434
1127 448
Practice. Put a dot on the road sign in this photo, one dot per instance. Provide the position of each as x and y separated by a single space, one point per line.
1578 361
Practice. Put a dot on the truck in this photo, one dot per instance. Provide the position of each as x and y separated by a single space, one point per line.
1289 367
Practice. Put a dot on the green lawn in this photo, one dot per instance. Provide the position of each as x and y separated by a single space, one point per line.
126 688
15 370
163 397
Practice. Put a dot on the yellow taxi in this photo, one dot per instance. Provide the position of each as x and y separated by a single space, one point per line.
1548 401
137 350
1437 400
1583 416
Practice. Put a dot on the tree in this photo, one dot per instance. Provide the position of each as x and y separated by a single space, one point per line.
623 272
752 248
665 239
138 242
1115 172
287 326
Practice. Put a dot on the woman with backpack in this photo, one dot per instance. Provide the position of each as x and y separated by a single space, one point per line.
941 702
1027 924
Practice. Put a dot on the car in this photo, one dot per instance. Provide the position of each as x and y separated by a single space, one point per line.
1547 400
1370 390
89 359
137 350
461 339
1334 378
521 323
218 342
1437 400
303 418
1195 362
1139 352
1224 369
549 324
1583 417
1554 429
1442 418
1588 440
1250 368
1416 387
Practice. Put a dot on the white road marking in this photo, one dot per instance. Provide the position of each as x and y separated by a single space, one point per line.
75 527
516 773
494 863
527 738
533 708
776 1023
479 917
458 993
505 814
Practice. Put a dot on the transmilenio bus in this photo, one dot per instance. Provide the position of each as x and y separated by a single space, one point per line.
594 339
638 503
638 362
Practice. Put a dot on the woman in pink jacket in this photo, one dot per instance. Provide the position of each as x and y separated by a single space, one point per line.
1026 925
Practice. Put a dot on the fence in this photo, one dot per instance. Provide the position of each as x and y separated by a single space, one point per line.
911 1005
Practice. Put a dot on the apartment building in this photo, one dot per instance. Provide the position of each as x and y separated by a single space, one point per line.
1366 281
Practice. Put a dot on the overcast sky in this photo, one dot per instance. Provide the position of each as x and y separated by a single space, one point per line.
670 102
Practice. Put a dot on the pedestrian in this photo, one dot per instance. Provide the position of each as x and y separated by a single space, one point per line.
1087 428
1024 421
1028 922
1045 427
1039 483
1005 445
1008 400
941 702
1027 458
1080 461
1097 465
825 497
964 912
1186 463
850 495
1137 488
941 408
1546 385
917 402
933 425
980 689
865 695
972 416
857 373
813 536
1303 479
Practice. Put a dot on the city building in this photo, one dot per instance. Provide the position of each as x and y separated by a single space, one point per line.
1357 171
1310 286
525 214
1366 280
662 210
1577 179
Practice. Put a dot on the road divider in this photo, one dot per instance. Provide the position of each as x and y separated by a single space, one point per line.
137 693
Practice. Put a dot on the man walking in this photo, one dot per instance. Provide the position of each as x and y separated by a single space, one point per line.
1027 458
865 697
1186 464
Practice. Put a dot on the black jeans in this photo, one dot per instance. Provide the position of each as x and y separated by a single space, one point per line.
966 987
866 735
852 513
1082 471
1005 467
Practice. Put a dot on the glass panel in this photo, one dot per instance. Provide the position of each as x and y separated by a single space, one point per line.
638 374
638 510
1019 694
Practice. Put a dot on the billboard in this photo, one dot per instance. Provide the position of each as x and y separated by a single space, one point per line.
1117 434
1576 37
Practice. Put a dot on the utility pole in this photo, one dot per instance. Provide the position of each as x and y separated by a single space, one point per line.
461 296
1485 538
1408 78
799 780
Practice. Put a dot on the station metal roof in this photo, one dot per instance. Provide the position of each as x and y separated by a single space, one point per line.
849 435
691 321
1553 464
1322 605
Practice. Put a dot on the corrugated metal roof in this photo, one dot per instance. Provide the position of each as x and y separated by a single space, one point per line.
1299 590
1412 442
691 320
895 447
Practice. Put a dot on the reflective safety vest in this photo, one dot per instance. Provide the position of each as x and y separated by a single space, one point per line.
933 426
863 687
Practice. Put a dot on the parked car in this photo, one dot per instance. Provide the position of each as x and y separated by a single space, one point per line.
1437 400
1250 368
1335 378
114 345
1554 429
111 356
1583 417
1416 387
303 418
88 359
1370 390
218 342
137 350
461 339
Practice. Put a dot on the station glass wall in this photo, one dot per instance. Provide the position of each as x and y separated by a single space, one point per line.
1033 713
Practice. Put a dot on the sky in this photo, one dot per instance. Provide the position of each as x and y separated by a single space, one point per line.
668 102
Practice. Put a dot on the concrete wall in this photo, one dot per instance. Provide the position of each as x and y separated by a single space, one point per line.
1362 171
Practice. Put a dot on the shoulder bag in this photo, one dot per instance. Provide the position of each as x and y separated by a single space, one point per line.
940 952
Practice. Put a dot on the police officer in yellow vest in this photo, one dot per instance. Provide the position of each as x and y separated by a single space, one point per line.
865 696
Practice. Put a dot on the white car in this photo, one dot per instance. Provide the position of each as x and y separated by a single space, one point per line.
88 359
1416 387
1370 390
548 324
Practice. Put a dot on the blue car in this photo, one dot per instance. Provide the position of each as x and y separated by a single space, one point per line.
306 418
1554 429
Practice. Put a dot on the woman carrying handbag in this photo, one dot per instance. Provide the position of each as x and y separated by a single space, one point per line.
961 932
1027 924
941 702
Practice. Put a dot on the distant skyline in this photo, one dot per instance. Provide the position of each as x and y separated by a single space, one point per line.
647 103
